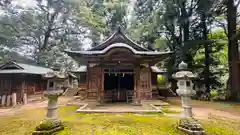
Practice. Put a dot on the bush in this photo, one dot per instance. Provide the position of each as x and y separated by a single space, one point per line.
218 95
48 125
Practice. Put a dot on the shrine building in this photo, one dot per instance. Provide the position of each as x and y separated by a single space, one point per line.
119 70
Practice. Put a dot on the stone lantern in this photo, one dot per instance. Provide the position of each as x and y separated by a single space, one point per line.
55 82
185 87
185 90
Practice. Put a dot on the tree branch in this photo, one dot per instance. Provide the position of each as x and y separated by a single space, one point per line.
192 7
237 3
10 25
221 24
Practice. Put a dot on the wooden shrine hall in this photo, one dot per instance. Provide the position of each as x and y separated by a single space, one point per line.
118 69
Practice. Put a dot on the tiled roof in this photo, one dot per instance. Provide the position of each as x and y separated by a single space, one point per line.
24 68
118 45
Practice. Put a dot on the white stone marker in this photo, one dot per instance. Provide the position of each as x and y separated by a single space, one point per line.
8 100
14 99
185 88
25 99
3 100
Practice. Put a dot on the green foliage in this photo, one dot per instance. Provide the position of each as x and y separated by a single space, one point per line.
161 80
219 65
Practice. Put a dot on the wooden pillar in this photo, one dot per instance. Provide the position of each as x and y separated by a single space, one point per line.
23 87
150 80
137 84
34 88
87 83
102 82
101 86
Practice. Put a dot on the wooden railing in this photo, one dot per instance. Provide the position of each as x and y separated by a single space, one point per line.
111 94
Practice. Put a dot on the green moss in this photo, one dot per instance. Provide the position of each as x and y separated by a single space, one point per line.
48 125
166 110
108 124
153 113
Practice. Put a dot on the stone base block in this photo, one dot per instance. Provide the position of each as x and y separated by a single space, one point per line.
48 127
190 126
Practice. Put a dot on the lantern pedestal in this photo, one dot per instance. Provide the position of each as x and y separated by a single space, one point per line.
51 123
190 126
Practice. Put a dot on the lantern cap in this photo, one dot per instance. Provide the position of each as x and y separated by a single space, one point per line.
182 66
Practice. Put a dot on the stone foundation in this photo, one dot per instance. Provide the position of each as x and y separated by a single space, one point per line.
48 127
190 126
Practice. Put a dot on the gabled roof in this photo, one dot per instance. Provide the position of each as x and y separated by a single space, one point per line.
22 68
118 45
118 41
55 75
118 37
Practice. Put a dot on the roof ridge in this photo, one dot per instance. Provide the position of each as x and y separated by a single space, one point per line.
119 31
40 66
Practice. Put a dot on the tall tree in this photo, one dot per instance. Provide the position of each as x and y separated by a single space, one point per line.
204 10
233 53
103 17
43 30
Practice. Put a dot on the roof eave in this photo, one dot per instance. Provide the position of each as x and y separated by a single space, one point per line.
89 53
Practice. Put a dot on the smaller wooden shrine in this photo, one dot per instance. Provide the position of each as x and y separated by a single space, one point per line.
118 69
21 78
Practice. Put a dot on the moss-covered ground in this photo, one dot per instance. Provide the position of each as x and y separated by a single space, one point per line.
109 124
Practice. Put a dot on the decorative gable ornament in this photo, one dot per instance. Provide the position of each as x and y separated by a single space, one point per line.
55 75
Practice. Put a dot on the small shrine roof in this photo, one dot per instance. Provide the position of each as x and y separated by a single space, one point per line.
54 74
21 68
81 69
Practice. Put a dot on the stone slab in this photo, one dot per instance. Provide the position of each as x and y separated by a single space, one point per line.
190 132
122 108
48 132
120 111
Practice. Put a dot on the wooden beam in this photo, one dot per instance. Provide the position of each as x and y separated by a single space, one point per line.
87 79
23 86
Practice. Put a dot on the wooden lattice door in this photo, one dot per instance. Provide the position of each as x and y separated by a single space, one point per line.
145 84
94 82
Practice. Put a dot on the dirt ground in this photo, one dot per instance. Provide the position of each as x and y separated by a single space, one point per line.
201 109
33 104
206 109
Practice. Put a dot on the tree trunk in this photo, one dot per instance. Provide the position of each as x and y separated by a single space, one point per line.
206 48
233 55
